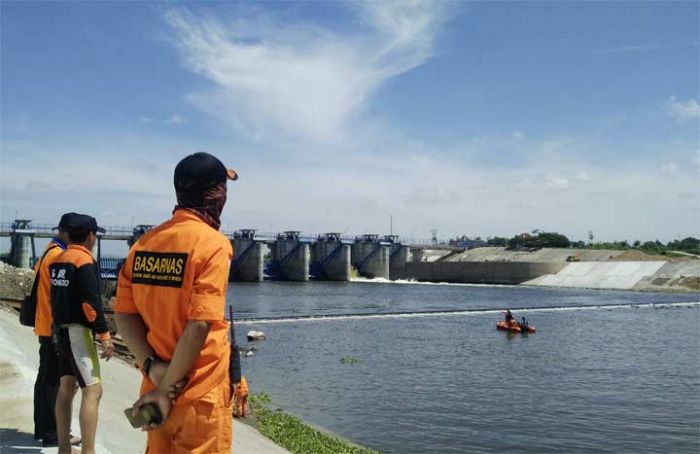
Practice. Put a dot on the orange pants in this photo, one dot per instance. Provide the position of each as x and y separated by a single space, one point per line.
202 426
241 398
241 405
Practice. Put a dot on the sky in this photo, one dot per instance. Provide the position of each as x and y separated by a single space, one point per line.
470 118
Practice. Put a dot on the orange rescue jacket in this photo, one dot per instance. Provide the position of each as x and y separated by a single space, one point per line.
43 319
178 272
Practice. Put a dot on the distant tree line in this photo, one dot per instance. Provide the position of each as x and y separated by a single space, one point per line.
557 240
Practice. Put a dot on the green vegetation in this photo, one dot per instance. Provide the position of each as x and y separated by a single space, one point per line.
293 434
538 240
689 245
497 241
350 360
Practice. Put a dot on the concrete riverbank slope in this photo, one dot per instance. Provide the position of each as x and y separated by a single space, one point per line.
575 268
648 276
505 273
19 358
611 275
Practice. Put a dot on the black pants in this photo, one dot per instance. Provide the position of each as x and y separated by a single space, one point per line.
46 390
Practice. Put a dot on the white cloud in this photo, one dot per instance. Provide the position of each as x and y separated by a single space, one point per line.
272 80
275 80
682 110
174 119
670 168
622 49
583 176
431 195
423 190
558 183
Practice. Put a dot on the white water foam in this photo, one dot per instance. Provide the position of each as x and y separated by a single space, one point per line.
381 280
463 313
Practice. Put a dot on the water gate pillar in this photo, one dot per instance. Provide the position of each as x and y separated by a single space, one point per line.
332 258
371 257
399 255
291 257
248 257
137 232
22 248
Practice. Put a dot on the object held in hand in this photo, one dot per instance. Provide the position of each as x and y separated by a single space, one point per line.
145 416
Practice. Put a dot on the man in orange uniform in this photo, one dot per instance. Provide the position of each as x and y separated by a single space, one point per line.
170 312
76 307
47 379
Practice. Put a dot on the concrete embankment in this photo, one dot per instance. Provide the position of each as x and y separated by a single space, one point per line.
507 273
613 275
576 268
649 276
19 358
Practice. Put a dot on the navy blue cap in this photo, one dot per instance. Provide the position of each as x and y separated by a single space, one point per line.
76 223
201 171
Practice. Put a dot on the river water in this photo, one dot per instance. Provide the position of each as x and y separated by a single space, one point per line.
607 371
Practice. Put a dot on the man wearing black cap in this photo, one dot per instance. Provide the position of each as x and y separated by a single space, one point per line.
170 312
47 379
76 304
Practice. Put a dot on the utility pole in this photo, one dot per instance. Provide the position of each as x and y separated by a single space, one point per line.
391 224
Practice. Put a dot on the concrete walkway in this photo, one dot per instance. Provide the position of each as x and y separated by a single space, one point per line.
19 359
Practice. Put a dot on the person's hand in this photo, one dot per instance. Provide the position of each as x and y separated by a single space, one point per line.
107 349
176 389
157 372
161 400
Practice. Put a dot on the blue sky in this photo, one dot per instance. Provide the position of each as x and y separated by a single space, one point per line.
469 117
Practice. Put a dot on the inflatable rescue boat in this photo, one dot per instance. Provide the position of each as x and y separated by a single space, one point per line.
512 326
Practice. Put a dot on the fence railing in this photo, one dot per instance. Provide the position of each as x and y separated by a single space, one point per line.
7 228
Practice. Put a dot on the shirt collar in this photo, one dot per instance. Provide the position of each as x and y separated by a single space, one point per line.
59 243
80 247
182 214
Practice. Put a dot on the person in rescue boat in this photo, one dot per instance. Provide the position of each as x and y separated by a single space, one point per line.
524 325
509 316
76 307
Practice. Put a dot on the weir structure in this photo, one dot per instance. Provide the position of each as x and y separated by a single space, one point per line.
399 256
331 258
290 257
294 257
22 247
370 256
248 257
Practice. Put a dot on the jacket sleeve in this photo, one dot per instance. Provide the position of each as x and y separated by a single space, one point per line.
208 298
91 300
124 301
